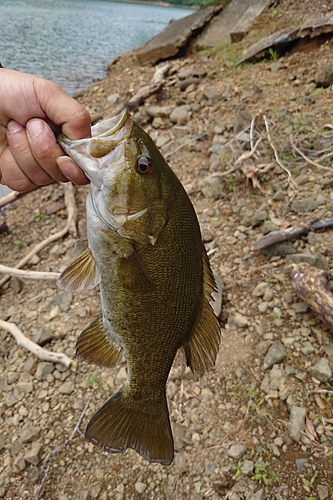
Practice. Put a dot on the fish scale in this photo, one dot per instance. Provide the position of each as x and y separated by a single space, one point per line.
144 249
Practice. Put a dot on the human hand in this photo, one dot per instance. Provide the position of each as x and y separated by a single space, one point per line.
32 112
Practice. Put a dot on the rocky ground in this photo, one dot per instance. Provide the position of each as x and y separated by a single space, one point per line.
259 426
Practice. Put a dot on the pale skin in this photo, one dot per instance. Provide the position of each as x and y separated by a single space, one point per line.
32 112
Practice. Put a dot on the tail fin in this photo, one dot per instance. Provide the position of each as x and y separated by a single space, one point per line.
118 426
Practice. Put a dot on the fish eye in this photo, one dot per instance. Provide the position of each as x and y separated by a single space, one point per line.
144 165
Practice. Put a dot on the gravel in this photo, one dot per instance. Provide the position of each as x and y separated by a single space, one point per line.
259 426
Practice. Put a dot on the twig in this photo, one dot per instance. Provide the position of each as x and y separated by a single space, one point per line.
291 181
33 275
70 227
322 391
306 158
237 165
60 447
40 352
10 197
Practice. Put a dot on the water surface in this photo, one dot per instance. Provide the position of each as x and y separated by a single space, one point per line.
71 41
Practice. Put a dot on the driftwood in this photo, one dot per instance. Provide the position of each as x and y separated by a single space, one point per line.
312 286
39 351
292 233
70 227
155 85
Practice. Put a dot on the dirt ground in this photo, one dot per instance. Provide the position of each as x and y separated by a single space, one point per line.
233 427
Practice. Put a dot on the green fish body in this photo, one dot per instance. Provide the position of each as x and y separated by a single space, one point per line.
144 248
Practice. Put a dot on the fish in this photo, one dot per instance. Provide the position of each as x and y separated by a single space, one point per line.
144 249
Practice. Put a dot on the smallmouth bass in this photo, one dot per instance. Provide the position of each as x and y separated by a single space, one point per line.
144 248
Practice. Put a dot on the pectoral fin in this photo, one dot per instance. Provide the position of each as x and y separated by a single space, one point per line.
82 274
95 346
202 347
134 273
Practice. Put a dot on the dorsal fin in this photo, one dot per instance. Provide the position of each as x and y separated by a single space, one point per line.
82 274
95 346
203 345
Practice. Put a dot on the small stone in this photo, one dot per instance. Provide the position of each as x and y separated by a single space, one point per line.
260 289
34 260
30 365
44 368
180 115
33 456
43 336
240 321
275 377
25 387
140 487
316 259
212 95
297 422
29 434
269 226
300 307
324 76
159 111
300 462
236 451
322 492
259 495
213 187
247 467
275 354
67 388
20 463
194 81
306 205
64 300
321 370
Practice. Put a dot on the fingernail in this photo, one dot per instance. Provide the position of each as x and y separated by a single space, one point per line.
13 127
35 128
68 168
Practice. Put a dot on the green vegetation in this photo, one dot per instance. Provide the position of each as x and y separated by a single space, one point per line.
38 216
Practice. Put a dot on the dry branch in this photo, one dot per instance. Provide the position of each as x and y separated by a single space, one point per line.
32 275
70 227
291 181
154 86
311 162
292 233
40 352
311 285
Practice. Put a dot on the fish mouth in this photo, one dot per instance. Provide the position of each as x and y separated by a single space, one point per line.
95 153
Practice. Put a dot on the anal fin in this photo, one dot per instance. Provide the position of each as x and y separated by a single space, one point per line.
95 346
82 274
202 347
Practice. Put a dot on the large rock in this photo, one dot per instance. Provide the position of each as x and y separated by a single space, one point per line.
236 18
175 36
285 39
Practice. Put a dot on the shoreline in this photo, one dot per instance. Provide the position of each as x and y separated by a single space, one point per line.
160 3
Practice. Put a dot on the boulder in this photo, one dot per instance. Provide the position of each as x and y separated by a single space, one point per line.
175 36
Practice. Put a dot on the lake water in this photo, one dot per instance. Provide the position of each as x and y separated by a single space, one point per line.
71 41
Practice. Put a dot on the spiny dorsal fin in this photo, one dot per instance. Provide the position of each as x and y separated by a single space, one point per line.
120 424
81 245
82 274
205 338
94 345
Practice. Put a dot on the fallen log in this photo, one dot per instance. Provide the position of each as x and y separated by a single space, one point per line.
312 286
